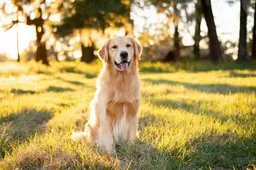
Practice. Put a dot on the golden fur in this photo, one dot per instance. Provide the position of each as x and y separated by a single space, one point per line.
114 109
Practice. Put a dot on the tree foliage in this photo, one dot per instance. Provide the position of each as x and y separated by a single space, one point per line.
97 14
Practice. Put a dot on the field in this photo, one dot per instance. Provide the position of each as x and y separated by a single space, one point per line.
192 116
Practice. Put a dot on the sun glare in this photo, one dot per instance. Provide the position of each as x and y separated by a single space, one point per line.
77 54
8 40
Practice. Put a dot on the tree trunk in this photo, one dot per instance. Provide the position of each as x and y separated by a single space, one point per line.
176 42
87 53
197 36
17 43
176 34
41 52
254 35
242 47
215 48
170 56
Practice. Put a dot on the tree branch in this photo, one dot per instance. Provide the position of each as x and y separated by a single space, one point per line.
9 26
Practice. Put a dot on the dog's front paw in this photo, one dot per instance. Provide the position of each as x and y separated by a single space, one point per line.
107 150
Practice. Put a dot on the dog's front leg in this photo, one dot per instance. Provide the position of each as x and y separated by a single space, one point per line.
100 123
105 137
132 118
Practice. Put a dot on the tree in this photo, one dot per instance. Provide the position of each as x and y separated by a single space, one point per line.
254 35
242 46
197 36
97 15
39 22
214 44
176 32
41 52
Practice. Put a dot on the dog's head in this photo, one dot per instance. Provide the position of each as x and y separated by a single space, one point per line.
121 52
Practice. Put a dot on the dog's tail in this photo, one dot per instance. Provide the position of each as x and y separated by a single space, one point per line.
88 135
79 136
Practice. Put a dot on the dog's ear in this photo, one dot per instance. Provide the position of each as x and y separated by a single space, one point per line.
103 52
137 48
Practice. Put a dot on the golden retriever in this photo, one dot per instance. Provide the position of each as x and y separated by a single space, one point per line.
114 108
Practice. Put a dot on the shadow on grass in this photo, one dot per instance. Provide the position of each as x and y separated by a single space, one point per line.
211 149
21 91
73 70
194 108
192 66
58 89
222 152
18 127
77 83
241 75
207 88
90 75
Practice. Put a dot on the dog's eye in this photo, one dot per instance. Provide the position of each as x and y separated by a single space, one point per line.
128 45
115 47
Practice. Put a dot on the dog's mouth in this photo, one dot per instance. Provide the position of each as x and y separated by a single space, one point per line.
124 65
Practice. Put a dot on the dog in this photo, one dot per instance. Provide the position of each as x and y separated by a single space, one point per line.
114 108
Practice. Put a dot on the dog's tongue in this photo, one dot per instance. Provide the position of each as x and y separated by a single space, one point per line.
124 66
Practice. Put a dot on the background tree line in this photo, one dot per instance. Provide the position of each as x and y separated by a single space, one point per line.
84 24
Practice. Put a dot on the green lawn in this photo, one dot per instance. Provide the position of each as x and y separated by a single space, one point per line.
192 116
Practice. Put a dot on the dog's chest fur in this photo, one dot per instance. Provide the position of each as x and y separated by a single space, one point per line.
124 94
125 90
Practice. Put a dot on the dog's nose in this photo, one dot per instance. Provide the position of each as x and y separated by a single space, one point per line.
124 55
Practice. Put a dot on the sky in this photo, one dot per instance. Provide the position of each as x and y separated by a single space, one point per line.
226 19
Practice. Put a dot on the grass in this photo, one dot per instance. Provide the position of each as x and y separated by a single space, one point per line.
193 116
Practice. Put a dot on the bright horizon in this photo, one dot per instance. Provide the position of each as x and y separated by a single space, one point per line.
226 20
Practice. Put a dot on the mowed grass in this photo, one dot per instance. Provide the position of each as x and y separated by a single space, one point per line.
192 116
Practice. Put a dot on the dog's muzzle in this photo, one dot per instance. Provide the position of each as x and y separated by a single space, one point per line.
124 65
